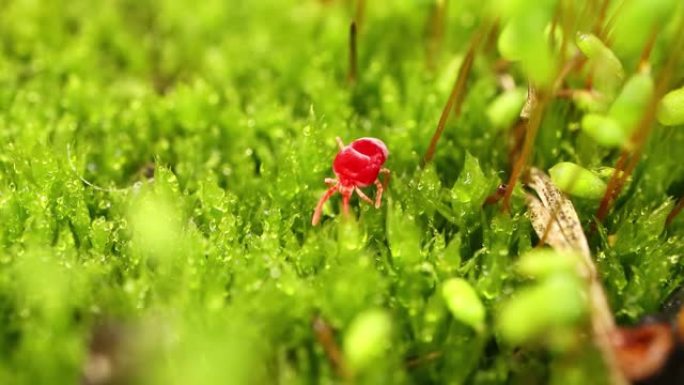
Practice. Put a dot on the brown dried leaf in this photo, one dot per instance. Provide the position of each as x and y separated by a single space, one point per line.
530 102
555 221
554 217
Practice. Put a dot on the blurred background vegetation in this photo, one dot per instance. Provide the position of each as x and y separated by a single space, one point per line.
160 162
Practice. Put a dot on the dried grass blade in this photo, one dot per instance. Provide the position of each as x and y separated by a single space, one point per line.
555 221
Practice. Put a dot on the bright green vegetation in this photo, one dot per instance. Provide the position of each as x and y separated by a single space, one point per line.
211 273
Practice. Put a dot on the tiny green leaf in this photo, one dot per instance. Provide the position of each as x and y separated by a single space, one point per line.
403 236
367 338
505 109
604 130
464 303
671 108
607 68
538 263
629 106
589 101
577 181
472 186
509 43
556 303
636 21
594 49
523 39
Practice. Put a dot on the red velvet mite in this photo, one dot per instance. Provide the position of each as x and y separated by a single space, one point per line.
356 165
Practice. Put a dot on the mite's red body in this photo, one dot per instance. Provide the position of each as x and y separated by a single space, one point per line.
356 165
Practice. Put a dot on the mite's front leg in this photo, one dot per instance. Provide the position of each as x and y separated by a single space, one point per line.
378 193
363 196
387 173
319 207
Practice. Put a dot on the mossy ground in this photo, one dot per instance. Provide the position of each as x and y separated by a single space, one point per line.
207 128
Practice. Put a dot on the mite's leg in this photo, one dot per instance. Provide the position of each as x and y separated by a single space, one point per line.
387 173
363 196
345 204
378 193
340 143
319 207
330 181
